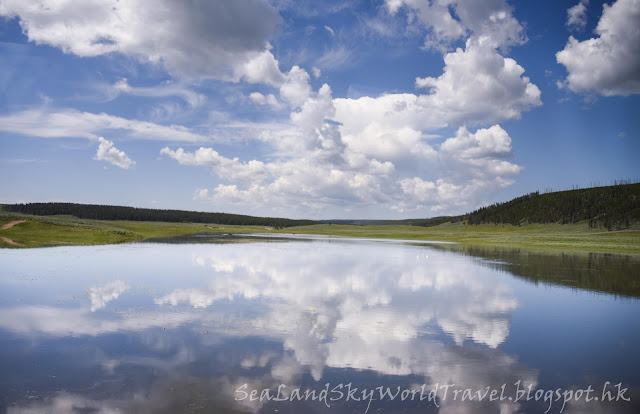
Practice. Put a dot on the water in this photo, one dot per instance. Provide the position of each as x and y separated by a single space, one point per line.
361 325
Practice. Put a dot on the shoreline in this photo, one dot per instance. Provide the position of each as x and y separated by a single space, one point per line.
50 231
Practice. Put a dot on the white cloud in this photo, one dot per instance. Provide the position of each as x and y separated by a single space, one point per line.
479 85
109 153
268 100
366 151
260 68
314 109
201 194
69 123
473 165
485 143
381 151
296 88
467 167
610 63
336 151
577 15
219 39
489 19
443 29
192 98
330 30
314 167
336 58
226 168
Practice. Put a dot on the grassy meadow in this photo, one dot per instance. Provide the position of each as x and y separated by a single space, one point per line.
46 231
576 236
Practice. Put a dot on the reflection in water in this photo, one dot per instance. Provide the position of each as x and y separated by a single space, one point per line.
600 272
390 295
199 321
100 295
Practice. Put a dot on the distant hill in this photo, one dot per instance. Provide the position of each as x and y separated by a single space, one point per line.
100 212
407 222
612 207
616 206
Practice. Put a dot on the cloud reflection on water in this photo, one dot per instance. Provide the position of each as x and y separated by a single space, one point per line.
387 309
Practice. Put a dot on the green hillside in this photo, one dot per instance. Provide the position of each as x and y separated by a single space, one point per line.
101 212
612 207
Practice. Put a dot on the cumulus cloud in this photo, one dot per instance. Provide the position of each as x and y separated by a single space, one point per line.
260 68
610 63
473 163
577 15
448 21
315 168
69 123
226 168
465 167
268 100
479 85
109 153
361 152
296 89
485 143
219 39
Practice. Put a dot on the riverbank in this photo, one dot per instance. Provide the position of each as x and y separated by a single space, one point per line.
48 231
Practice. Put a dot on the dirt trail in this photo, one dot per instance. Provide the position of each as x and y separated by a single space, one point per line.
8 226
11 242
11 224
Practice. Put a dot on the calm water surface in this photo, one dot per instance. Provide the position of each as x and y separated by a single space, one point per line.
326 325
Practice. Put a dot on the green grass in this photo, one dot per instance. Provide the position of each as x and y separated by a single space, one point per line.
548 236
44 231
48 231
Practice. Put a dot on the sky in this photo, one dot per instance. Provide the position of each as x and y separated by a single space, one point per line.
372 109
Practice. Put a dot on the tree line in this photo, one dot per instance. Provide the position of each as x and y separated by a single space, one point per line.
102 212
612 207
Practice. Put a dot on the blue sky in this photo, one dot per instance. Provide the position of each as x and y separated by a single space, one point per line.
343 109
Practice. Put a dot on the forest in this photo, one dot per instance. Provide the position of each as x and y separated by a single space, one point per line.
102 212
612 207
